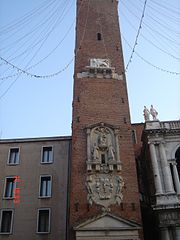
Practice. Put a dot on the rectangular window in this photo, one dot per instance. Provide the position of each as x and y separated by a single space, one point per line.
43 221
45 186
10 186
6 221
47 154
134 137
13 156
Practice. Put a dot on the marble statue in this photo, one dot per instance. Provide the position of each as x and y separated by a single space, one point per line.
111 153
95 153
146 114
153 113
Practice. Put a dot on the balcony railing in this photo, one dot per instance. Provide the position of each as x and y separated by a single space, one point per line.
170 124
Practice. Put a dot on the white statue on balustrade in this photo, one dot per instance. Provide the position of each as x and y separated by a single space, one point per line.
152 112
146 114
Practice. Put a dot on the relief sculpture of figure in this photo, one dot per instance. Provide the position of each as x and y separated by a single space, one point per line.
146 114
103 140
111 153
95 153
153 112
120 184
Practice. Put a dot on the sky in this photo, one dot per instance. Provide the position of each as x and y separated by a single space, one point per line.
39 36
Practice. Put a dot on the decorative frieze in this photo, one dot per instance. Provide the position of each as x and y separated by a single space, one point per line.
169 218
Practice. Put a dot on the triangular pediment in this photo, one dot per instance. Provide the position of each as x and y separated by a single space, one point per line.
107 221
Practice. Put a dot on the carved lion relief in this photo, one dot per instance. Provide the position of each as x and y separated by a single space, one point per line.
99 63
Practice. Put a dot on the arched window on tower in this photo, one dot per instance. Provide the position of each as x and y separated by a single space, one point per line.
99 36
177 156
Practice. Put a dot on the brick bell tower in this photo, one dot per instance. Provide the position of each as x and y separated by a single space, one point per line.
104 199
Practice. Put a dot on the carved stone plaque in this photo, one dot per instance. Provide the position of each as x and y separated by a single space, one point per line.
104 189
99 63
102 149
104 182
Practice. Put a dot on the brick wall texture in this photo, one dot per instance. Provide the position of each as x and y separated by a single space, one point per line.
100 100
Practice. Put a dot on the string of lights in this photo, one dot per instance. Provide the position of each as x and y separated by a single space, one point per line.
148 62
50 75
149 41
29 48
160 33
25 71
156 19
137 36
44 58
23 20
169 9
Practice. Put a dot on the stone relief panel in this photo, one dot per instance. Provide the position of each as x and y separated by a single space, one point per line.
104 183
102 149
169 218
99 63
104 189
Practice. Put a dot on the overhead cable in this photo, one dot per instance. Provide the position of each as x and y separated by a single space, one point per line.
148 62
137 35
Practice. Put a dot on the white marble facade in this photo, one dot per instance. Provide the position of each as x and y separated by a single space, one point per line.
163 139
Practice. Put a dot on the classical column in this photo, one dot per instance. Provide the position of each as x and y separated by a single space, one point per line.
166 170
164 234
176 177
177 231
157 179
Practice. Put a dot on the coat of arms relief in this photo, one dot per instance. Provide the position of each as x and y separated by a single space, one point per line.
104 182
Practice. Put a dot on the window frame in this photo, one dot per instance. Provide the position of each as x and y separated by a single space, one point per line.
134 136
12 219
43 176
49 222
5 186
42 154
9 155
99 36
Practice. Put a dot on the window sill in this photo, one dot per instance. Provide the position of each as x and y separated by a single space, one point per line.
46 162
44 197
12 164
5 233
8 198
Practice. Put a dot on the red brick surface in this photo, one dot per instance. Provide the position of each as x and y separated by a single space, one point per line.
100 100
138 127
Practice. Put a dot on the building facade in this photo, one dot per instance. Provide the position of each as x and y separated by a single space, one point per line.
85 187
34 188
158 163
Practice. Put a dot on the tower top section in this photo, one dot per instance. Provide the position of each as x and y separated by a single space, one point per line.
98 36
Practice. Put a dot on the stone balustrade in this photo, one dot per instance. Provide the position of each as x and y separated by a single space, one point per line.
170 125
